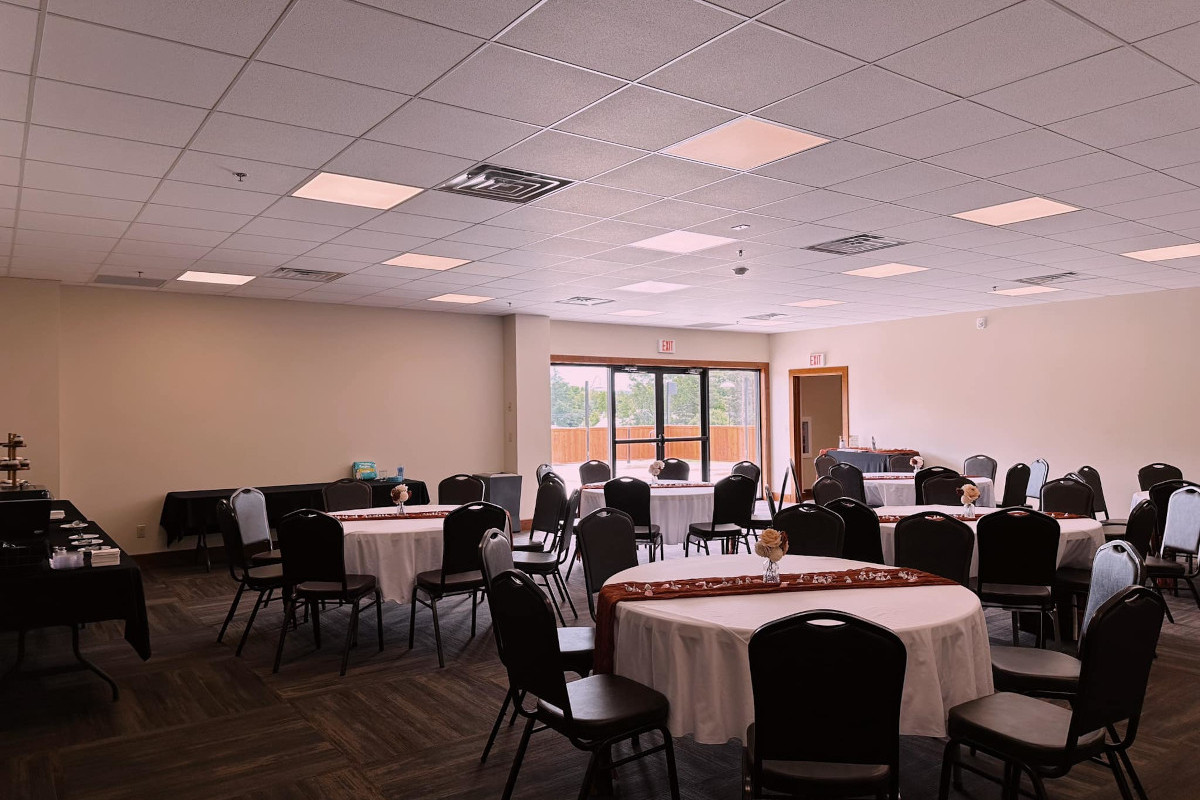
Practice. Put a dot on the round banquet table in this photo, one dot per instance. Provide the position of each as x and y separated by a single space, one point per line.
672 508
898 489
1078 541
694 649
393 550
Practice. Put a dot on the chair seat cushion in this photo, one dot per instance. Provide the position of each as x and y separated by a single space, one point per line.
707 530
531 544
1031 669
800 777
356 585
647 532
1163 567
606 705
537 562
1015 594
270 574
1027 729
431 581
266 557
1106 523
759 523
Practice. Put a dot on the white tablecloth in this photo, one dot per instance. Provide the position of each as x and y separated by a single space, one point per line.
672 510
394 550
1077 544
1137 498
693 649
881 491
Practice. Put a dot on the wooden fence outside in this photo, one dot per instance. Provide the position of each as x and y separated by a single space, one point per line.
726 443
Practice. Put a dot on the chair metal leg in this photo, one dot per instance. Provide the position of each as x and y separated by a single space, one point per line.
412 618
237 598
553 599
1153 583
585 790
379 617
350 631
1122 785
562 588
1195 594
516 765
571 565
487 748
316 620
949 759
259 603
672 772
686 541
474 612
1123 753
707 552
1016 628
437 631
289 614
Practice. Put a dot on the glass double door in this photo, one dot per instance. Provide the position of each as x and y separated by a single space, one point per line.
659 413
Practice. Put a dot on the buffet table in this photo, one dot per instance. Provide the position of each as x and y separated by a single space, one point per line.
868 460
673 506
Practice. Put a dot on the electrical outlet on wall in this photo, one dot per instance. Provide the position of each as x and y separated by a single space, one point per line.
981 323
141 531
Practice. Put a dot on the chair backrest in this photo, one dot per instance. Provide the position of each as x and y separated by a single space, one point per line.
944 490
571 511
1091 476
936 543
231 538
925 474
1067 495
1017 546
1182 530
980 466
675 469
459 490
1115 566
525 623
607 546
862 540
826 490
346 494
796 490
1157 473
548 507
541 471
823 463
1115 659
900 462
851 479
733 501
857 670
462 531
747 468
1039 471
594 472
566 526
771 507
250 508
311 544
1161 493
1016 481
1141 529
812 530
495 554
630 495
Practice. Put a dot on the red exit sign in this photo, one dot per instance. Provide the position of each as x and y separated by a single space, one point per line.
816 359
666 346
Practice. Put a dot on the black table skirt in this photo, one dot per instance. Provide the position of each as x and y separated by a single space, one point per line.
41 597
866 461
190 513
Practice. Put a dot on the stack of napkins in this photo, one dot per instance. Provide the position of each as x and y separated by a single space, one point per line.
106 557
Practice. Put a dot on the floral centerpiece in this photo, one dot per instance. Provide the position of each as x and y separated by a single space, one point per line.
916 462
400 495
970 493
656 468
771 545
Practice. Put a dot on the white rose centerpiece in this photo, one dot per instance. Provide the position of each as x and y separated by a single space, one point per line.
656 468
400 495
771 545
916 462
970 493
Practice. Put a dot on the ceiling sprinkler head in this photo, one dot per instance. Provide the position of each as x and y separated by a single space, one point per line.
740 270
241 176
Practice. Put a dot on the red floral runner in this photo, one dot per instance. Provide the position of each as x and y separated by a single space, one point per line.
860 578
894 518
659 486
908 476
394 515
895 451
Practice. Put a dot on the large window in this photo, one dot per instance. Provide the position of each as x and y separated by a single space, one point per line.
627 416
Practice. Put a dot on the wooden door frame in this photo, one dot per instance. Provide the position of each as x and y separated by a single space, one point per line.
796 409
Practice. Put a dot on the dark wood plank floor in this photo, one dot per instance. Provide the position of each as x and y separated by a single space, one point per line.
196 723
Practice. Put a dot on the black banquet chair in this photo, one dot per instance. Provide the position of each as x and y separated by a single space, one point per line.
1161 493
862 540
733 503
851 479
549 564
1091 476
541 471
262 578
1157 473
545 526
461 573
826 490
925 474
1039 473
346 494
980 466
594 472
1181 533
812 530
460 489
747 468
855 749
1016 481
314 566
1067 496
593 713
632 496
675 469
608 546
936 543
1018 557
945 490
900 462
823 463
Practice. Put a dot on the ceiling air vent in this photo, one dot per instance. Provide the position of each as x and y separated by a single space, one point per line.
765 317
501 183
126 280
311 275
1042 280
859 243
708 325
584 301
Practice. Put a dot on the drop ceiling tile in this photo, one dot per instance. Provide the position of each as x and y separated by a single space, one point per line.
594 200
981 238
940 130
468 16
1176 150
495 236
193 218
528 260
230 26
1147 242
1161 115
642 117
414 225
1070 173
673 214
166 233
12 137
565 246
770 66
626 38
883 215
106 58
395 242
88 226
463 250
63 105
870 30
1156 206
831 163
1108 233
394 164
98 152
758 226
1183 223
81 180
879 98
18 33
1133 22
1019 247
342 252
1061 223
541 220
897 183
635 255
214 169
965 197
743 191
211 198
522 86
1177 48
1019 151
564 155
439 128
488 269
14 95
302 209
10 170
140 248
267 244
278 94
445 205
364 45
805 236
1102 81
814 205
260 140
77 204
662 175
611 231
1135 187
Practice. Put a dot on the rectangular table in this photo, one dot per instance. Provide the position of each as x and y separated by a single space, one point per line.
869 460
898 489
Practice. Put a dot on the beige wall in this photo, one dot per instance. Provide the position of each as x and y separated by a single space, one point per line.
634 342
821 400
526 400
1111 382
29 366
166 392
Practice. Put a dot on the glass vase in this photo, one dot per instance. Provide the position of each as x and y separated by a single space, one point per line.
770 572
969 511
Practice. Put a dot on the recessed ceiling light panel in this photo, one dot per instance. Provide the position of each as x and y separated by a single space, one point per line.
350 191
653 287
815 303
422 261
501 183
1016 211
745 143
682 242
192 276
1166 253
465 299
885 270
1021 291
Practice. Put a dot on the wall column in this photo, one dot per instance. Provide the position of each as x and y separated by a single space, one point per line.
526 400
